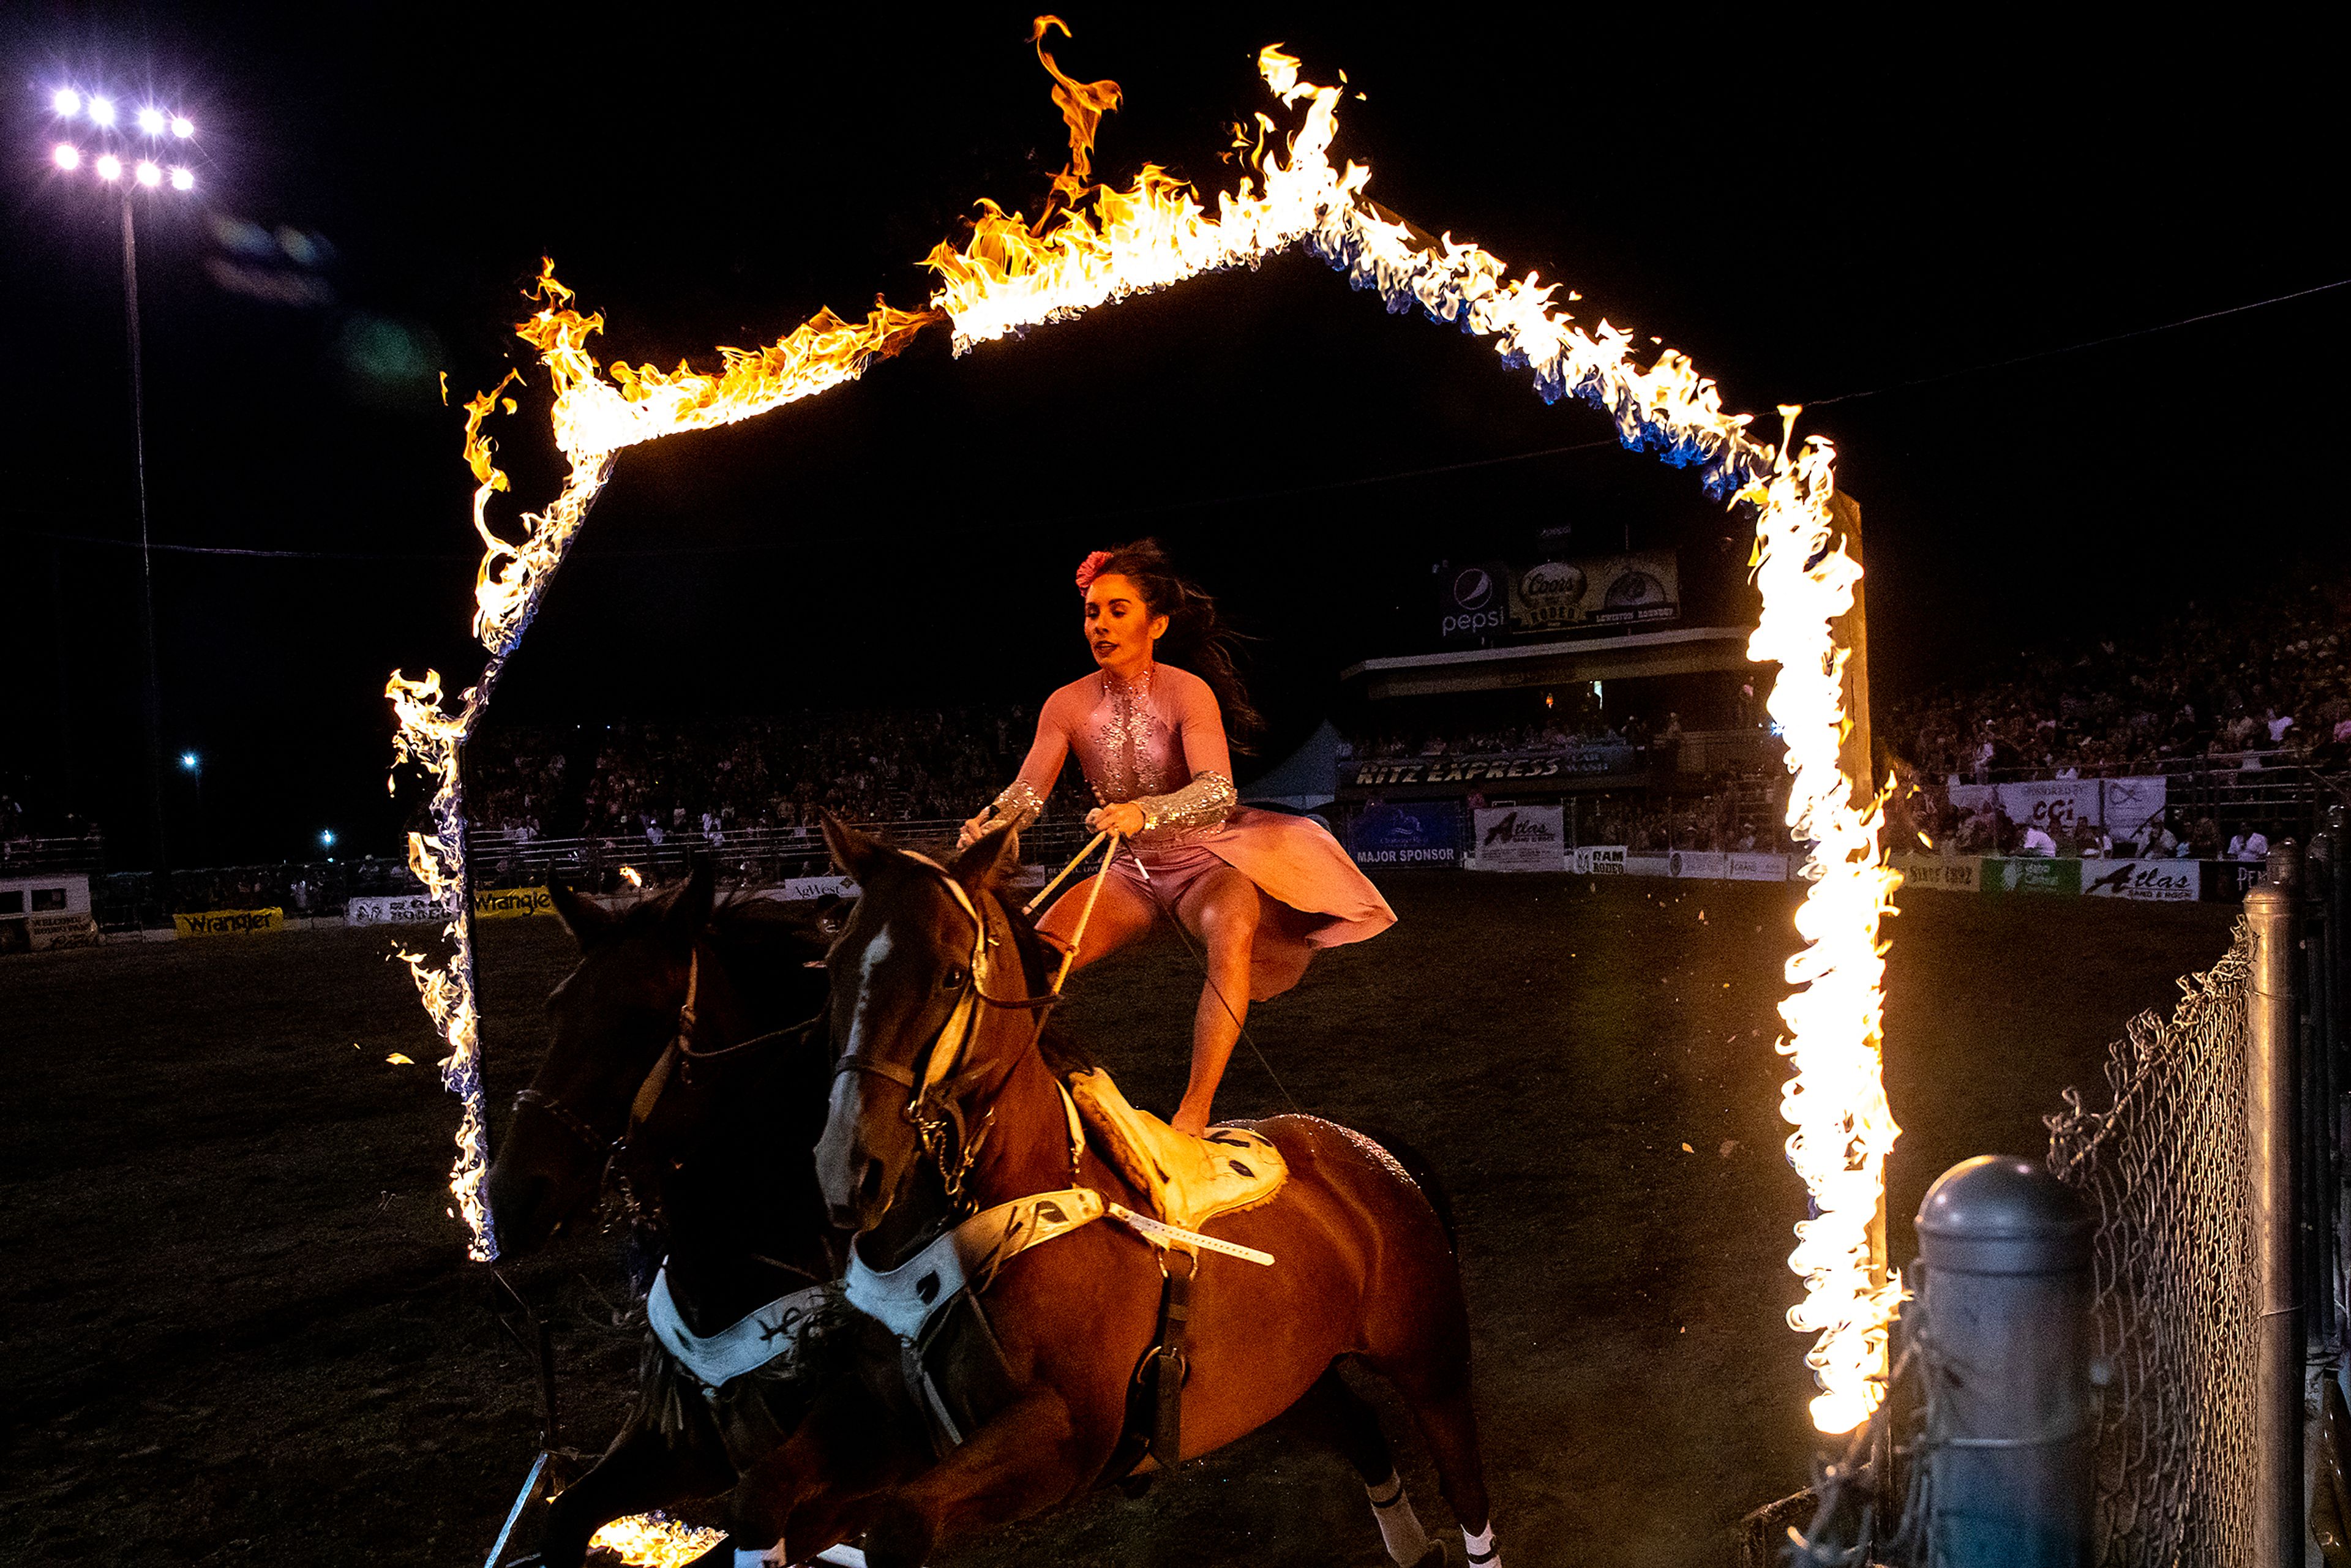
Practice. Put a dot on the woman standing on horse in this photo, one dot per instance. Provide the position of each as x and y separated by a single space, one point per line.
1261 889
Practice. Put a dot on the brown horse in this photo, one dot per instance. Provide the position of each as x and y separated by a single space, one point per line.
1364 1269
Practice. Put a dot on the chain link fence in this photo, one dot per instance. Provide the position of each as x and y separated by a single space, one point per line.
2175 1306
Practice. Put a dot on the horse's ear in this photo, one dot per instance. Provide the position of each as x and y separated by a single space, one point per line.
588 921
689 911
852 851
989 861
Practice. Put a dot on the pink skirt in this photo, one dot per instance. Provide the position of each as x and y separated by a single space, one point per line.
1318 898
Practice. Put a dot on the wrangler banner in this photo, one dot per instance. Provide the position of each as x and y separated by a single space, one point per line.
229 922
500 903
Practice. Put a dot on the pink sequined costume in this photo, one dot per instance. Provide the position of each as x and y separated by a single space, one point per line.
1160 743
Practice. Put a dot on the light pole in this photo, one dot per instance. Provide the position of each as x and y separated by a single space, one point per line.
193 765
95 138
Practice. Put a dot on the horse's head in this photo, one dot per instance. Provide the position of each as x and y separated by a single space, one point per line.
906 976
612 1020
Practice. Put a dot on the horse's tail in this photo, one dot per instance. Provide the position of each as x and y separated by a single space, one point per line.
1423 1176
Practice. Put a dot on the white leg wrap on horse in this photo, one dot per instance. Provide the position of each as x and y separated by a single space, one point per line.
1399 1527
1483 1553
773 1557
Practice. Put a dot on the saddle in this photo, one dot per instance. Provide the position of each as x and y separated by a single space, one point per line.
1187 1181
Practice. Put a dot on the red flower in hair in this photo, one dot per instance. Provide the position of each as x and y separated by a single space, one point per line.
1090 567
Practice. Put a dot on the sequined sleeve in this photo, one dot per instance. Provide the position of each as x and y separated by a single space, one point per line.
1018 805
1206 800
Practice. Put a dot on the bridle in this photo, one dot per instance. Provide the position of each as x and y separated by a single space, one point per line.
677 1058
936 1084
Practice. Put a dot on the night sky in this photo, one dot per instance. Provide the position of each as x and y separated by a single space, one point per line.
1809 215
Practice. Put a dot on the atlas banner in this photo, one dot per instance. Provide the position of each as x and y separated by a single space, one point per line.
1391 772
1948 874
1519 838
1472 601
1747 867
399 909
229 922
1639 589
507 902
1597 859
1697 864
2149 882
800 889
1411 832
2032 873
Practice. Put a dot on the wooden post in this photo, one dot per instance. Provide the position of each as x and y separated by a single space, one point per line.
1856 757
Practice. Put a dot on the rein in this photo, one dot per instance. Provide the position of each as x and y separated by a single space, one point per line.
935 1095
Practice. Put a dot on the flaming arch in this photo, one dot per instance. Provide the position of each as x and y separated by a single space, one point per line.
1094 244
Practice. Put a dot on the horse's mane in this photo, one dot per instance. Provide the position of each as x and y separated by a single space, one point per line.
1060 1049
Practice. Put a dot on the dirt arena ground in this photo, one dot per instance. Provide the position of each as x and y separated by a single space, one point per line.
239 1329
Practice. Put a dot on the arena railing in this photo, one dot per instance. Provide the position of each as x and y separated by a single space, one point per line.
87 852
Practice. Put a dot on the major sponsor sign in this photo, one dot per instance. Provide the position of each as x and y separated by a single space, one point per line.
1601 591
1472 601
1412 833
2152 882
229 922
1597 859
1383 773
1519 838
1950 873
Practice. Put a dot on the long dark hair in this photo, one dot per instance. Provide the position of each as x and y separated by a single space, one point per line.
1193 640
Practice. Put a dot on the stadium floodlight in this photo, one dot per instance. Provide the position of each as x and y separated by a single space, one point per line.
111 159
327 838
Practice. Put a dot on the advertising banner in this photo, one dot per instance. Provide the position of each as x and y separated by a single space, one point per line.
1601 591
1471 601
2129 802
229 922
1411 832
1519 838
2227 882
2033 873
398 909
2151 882
1697 864
799 888
1582 761
1950 873
506 902
1755 868
2049 803
1597 859
1648 865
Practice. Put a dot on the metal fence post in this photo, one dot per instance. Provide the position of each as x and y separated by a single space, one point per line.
2274 1117
2006 1250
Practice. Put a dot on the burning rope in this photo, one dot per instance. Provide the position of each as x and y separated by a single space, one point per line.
1093 244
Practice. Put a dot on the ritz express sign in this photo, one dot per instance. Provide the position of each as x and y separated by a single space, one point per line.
1450 771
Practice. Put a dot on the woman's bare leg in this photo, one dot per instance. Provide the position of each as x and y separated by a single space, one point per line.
1123 917
1222 909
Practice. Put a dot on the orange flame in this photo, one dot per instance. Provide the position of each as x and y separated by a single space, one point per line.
1093 245
652 1541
